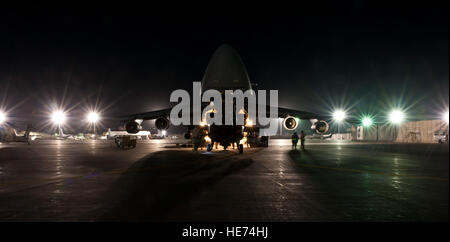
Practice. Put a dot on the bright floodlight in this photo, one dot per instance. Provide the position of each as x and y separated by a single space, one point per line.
58 117
445 117
249 123
2 117
339 115
396 116
367 121
93 117
164 133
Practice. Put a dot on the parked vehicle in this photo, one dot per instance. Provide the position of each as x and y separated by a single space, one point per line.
125 141
441 136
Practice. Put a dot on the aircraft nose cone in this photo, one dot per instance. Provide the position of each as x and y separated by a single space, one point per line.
226 71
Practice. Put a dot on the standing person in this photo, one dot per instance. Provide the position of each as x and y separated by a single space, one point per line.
302 140
27 133
197 136
294 138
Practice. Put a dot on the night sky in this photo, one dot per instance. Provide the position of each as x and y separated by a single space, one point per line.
128 60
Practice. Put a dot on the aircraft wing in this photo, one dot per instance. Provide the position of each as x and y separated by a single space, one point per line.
148 115
152 114
282 113
285 112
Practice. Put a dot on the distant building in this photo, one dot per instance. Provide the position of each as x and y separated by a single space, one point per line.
342 136
424 131
141 134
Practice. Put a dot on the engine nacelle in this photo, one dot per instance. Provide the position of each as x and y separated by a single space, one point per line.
321 127
133 127
290 123
187 135
162 123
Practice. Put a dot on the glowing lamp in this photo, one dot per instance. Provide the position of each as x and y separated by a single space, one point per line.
58 117
367 122
93 117
207 139
396 116
339 115
2 117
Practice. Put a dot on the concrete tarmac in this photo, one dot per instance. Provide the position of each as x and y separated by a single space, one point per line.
62 180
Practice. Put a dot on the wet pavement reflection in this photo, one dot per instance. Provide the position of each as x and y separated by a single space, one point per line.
93 181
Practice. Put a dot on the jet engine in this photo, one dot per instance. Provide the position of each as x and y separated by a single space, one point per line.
290 123
321 127
162 123
187 135
133 127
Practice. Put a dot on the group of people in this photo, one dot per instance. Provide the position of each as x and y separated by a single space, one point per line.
198 141
295 139
198 138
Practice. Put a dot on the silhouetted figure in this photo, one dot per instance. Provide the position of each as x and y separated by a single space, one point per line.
251 139
27 133
197 138
302 140
294 138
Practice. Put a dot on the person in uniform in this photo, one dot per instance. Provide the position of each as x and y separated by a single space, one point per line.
197 137
294 138
302 140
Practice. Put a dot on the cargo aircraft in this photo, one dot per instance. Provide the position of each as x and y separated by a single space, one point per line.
226 71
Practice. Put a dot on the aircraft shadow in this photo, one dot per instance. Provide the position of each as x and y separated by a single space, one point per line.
156 185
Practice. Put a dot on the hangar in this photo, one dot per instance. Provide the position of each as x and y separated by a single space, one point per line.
423 131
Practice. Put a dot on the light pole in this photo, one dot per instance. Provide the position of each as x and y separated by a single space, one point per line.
377 132
396 117
339 115
339 130
367 122
445 120
2 117
93 118
58 117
